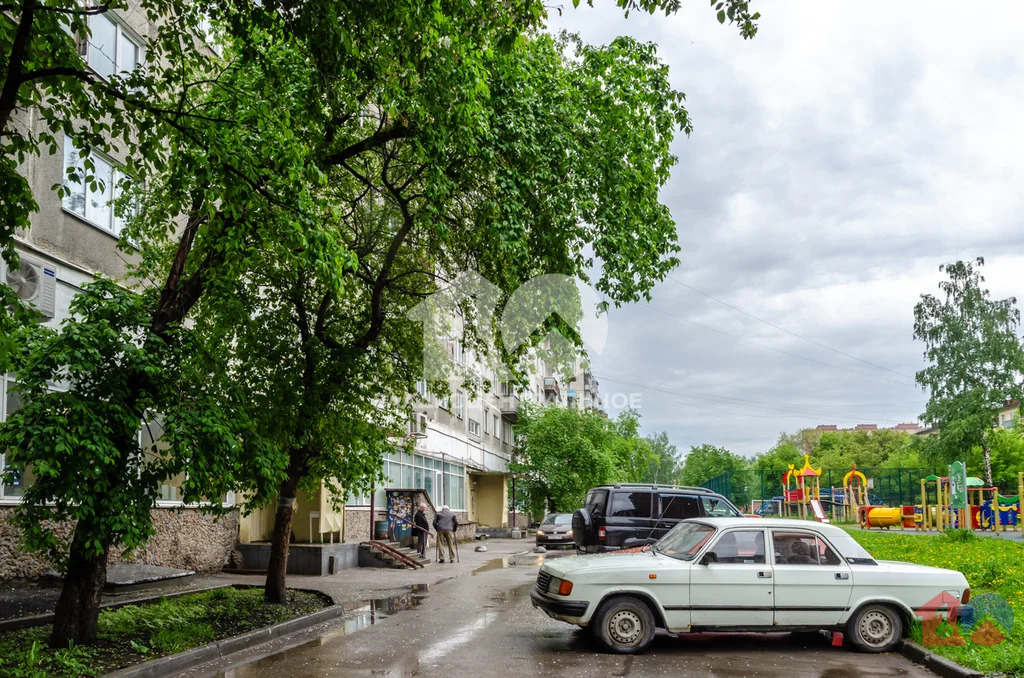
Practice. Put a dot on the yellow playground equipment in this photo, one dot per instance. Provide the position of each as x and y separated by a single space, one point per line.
855 493
801 492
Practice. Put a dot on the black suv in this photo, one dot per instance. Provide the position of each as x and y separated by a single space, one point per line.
627 515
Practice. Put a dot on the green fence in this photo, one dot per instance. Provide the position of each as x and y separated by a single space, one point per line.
889 486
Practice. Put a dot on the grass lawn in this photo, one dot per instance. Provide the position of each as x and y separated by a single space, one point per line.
991 565
135 633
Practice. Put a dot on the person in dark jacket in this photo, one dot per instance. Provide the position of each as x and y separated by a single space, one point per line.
446 523
422 529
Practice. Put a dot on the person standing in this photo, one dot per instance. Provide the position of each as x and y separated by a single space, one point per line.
446 523
422 529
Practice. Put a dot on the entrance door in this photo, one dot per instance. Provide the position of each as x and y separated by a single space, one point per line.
812 583
735 591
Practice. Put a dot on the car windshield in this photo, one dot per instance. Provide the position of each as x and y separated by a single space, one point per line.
558 519
684 540
851 550
719 507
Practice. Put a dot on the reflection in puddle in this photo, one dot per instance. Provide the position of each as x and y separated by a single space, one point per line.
496 564
357 616
462 635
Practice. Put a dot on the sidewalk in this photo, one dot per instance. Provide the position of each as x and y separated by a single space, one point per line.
347 586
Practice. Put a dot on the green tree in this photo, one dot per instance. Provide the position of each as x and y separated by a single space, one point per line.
663 466
704 462
975 360
562 455
126 358
633 454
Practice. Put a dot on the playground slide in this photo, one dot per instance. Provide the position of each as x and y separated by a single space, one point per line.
819 513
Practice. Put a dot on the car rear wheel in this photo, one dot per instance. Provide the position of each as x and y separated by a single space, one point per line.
875 628
624 625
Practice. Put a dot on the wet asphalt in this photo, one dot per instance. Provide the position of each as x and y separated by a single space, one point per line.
484 625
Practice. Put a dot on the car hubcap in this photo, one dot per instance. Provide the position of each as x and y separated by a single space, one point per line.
875 628
626 627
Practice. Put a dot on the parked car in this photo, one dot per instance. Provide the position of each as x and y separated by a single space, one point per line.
627 515
744 574
555 530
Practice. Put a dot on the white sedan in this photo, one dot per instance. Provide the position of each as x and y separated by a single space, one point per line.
743 574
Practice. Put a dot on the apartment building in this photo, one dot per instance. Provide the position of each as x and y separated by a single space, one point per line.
68 243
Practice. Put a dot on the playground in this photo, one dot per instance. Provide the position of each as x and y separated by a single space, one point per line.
952 501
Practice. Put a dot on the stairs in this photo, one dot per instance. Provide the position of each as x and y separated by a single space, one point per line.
370 556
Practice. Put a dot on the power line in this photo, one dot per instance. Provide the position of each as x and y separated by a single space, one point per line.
789 332
779 408
772 348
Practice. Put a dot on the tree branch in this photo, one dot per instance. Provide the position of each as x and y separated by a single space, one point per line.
16 62
398 130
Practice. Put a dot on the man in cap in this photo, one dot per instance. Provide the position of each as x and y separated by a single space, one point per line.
446 523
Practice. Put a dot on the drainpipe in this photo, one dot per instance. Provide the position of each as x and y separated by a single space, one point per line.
373 514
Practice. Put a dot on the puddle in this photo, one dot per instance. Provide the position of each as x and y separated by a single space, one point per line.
496 564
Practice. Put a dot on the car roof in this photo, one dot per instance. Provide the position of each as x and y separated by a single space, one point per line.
658 488
769 522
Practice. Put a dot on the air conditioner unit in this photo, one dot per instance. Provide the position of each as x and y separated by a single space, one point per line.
35 283
418 425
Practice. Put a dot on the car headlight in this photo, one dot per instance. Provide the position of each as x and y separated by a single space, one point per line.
569 533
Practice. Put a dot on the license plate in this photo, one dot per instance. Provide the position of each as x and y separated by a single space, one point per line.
556 536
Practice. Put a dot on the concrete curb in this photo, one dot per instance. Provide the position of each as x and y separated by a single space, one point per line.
176 663
40 619
947 668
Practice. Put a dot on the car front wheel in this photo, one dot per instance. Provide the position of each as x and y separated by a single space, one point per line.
624 625
875 628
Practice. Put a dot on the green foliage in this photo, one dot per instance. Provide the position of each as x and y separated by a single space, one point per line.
139 632
975 360
82 442
704 462
990 565
663 465
564 453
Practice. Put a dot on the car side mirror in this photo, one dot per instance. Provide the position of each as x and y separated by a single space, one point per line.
708 558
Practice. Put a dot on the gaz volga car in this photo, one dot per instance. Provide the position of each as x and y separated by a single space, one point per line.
744 574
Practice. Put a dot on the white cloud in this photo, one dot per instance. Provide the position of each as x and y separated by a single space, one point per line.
837 160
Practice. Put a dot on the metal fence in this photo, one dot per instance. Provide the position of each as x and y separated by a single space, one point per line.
886 486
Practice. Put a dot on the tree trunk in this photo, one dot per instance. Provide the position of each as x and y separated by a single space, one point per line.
986 453
277 567
78 607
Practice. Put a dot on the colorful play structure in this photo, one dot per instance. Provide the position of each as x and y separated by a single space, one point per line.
802 497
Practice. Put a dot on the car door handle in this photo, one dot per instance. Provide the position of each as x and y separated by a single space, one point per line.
842 575
765 574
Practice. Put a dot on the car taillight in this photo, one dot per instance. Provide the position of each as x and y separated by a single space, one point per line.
601 533
966 596
565 588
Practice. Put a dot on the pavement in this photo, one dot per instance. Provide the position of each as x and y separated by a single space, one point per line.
476 619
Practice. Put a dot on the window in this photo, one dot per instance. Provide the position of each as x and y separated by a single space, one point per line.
474 427
92 203
741 547
460 404
445 402
716 506
109 49
14 484
631 505
497 426
487 422
506 432
209 35
460 355
678 507
799 548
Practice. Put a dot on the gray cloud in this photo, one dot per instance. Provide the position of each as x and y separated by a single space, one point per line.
837 160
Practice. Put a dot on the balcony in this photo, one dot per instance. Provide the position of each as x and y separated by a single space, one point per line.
509 406
551 387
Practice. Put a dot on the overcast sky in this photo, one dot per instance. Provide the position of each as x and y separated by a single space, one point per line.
837 160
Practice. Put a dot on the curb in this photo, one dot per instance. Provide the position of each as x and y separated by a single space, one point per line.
947 668
40 619
175 663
